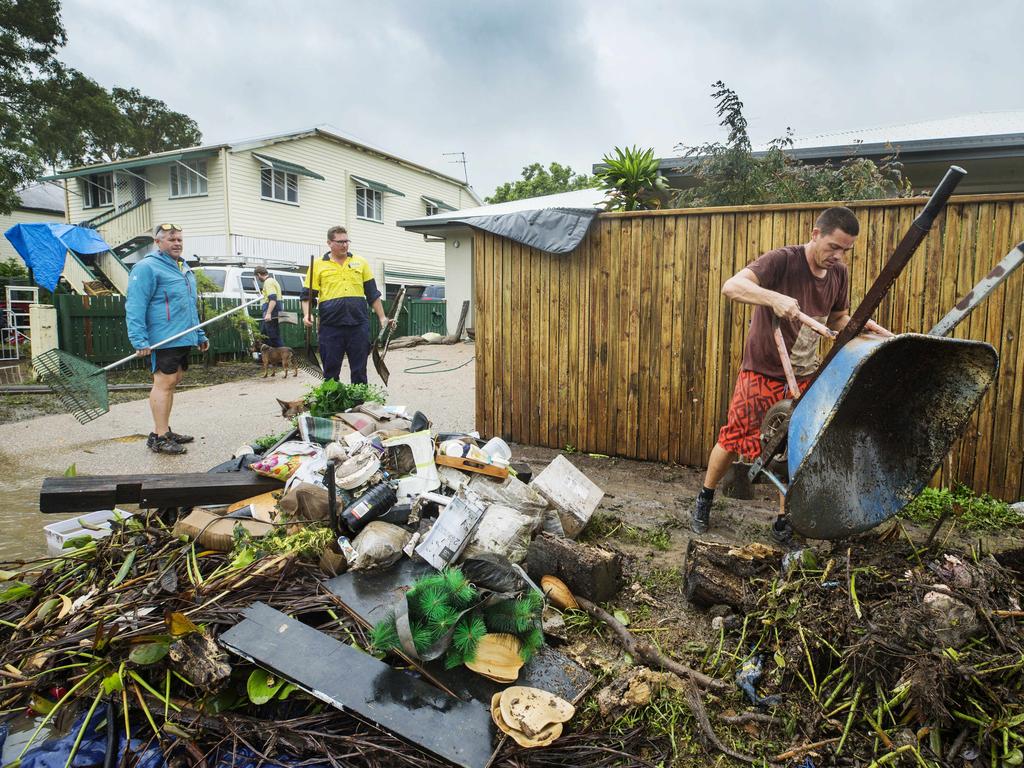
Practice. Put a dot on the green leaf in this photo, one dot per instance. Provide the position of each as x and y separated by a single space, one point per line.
112 682
126 566
41 705
1014 758
287 691
262 686
780 660
16 591
621 616
71 471
148 653
77 542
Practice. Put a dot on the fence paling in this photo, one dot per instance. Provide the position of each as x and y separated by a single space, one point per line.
645 365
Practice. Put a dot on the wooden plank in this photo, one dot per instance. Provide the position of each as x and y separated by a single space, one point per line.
985 257
89 493
713 343
541 339
460 732
651 378
479 320
678 328
575 342
668 306
965 279
640 327
520 423
508 336
700 339
1012 417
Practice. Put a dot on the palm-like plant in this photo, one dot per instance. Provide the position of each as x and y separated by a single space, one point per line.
632 180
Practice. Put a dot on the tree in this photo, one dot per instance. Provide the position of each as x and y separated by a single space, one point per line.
730 173
53 115
539 181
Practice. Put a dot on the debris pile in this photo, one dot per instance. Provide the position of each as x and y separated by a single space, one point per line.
876 653
149 638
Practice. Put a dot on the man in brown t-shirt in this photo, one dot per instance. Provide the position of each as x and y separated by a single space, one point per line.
810 278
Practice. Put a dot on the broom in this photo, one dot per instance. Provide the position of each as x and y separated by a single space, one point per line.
81 387
310 362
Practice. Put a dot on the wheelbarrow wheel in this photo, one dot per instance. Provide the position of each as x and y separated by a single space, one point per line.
774 421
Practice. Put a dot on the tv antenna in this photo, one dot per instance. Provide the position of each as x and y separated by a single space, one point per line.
460 161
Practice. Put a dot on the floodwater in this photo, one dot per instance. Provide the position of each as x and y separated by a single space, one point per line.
21 523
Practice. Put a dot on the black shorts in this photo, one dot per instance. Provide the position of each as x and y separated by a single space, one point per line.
171 359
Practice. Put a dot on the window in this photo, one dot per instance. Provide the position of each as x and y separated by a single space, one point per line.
432 209
249 282
368 204
99 190
279 185
291 285
216 276
188 178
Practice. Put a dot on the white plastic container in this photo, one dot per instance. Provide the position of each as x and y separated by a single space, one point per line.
59 532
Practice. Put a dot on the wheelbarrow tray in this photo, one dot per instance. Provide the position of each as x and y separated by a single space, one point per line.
874 427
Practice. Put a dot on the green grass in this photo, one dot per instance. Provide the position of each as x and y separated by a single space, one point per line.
975 512
605 526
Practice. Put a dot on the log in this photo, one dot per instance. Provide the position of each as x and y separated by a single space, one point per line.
591 572
91 493
719 574
456 337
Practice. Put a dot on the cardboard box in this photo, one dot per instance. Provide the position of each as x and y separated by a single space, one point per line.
213 531
570 492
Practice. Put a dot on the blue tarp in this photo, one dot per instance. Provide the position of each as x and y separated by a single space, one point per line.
43 247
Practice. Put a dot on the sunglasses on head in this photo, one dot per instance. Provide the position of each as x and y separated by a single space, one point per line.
169 228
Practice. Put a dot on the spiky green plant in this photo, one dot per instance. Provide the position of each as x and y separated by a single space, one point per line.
632 180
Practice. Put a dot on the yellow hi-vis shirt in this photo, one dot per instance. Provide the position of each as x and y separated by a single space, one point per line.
345 291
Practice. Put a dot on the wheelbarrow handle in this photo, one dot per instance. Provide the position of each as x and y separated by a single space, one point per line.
939 197
787 365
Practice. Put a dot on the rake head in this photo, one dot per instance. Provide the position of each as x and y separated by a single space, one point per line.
310 363
80 386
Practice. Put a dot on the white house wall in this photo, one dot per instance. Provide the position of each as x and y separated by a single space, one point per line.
323 204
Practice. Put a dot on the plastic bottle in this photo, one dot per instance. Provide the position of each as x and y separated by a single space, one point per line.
373 504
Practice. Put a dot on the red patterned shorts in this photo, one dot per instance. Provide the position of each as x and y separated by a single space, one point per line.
753 396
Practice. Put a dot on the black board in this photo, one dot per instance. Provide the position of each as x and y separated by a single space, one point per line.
460 732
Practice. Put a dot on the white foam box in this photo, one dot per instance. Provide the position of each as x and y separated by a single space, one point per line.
574 495
59 532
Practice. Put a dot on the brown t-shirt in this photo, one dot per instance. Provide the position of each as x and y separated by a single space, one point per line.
785 271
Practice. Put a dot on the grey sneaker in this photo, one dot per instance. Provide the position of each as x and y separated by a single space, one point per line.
701 515
164 444
179 439
781 531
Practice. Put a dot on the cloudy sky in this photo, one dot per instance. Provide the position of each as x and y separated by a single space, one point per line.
510 82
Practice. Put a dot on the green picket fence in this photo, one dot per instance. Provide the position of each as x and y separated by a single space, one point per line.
93 327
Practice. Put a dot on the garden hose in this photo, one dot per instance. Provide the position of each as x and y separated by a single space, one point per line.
430 362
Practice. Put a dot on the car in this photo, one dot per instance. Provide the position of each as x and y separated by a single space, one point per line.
430 293
236 282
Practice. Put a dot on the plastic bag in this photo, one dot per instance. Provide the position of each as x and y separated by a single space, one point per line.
286 460
502 530
514 493
494 572
378 545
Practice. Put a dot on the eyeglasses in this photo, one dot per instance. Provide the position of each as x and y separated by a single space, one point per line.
169 228
341 242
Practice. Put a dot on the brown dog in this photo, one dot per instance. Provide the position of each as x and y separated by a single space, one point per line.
290 408
274 356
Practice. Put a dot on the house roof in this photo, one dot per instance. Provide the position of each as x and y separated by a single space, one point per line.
580 198
42 197
243 145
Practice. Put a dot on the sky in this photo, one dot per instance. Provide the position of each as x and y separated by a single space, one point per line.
513 82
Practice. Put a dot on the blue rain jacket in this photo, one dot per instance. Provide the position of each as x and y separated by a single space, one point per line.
162 302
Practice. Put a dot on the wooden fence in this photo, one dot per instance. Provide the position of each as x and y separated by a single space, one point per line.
627 347
94 327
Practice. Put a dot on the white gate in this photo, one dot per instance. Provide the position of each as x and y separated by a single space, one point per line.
14 331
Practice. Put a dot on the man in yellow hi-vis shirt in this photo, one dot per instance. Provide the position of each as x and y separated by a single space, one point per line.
345 288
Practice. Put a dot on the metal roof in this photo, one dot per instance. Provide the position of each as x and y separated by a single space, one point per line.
43 197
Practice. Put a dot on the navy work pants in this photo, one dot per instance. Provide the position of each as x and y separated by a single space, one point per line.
272 331
340 340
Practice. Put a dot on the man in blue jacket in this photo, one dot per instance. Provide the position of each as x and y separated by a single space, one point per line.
162 302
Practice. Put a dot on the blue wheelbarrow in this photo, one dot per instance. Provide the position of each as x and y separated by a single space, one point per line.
870 432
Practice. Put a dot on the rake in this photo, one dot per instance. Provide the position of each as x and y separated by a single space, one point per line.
310 362
81 387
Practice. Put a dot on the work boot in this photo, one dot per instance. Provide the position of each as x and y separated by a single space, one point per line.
781 531
179 439
701 514
164 444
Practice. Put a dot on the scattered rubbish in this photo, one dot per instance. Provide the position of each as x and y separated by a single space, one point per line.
531 716
372 505
452 530
557 593
571 492
378 545
502 530
94 525
498 657
747 678
213 531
